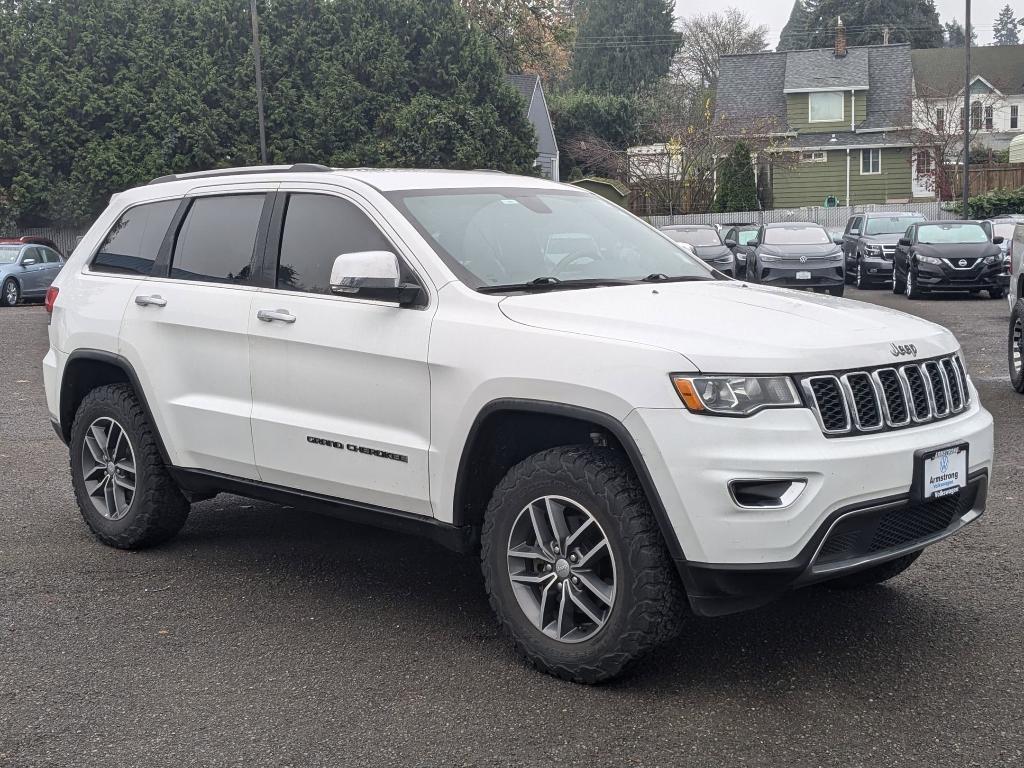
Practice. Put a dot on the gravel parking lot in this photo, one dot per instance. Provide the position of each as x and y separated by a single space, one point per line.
264 635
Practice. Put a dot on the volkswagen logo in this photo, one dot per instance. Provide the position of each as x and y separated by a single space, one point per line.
803 259
962 262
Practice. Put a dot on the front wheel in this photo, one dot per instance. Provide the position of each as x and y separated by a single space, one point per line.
1016 346
10 294
997 293
575 565
124 491
875 575
837 290
910 287
898 286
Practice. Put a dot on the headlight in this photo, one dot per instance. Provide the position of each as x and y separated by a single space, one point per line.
766 257
993 259
835 256
735 395
873 250
928 260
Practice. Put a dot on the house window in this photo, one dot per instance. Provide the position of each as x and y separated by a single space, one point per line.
924 162
940 120
870 161
1013 117
813 157
825 107
976 116
988 118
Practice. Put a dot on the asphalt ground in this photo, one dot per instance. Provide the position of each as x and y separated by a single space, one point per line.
268 636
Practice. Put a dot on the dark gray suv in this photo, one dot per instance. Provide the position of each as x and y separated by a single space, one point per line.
869 244
797 255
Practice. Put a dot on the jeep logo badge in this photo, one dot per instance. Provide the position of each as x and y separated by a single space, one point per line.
902 350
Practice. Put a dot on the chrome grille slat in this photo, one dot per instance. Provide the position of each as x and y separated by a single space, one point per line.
889 397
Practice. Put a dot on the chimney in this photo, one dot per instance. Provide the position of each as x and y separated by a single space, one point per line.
840 50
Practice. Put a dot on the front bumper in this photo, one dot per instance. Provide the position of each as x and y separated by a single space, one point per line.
734 558
982 277
784 275
877 268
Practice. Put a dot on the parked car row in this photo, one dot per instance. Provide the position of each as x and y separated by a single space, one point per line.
901 249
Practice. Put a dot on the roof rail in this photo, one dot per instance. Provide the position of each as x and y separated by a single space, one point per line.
295 168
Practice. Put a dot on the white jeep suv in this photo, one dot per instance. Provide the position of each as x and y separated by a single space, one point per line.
422 351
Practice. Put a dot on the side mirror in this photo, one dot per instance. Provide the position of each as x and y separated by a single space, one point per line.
730 243
837 240
28 262
998 239
753 243
372 275
904 242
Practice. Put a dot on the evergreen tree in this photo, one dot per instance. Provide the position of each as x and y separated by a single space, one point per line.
623 48
1005 29
954 35
112 94
866 21
737 190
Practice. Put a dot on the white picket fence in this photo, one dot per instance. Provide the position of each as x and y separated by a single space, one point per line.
827 217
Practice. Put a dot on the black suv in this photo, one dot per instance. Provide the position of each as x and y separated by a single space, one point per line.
948 256
869 244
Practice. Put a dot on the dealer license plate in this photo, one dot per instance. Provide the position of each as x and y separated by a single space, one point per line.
943 471
803 275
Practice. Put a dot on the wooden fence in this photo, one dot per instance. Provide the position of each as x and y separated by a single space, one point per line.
983 178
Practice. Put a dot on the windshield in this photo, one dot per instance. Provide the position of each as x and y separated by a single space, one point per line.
695 236
496 237
9 253
889 225
935 234
745 236
796 236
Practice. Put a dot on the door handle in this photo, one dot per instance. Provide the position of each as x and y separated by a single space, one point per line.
269 315
151 301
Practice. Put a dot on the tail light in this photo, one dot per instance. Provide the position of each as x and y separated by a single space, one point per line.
51 298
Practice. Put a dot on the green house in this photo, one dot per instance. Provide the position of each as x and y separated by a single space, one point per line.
833 126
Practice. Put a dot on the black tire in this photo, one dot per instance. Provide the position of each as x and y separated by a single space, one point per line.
876 575
898 286
649 600
860 279
997 293
158 509
837 290
10 294
1016 340
910 287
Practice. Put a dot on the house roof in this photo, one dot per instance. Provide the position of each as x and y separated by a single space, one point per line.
525 84
940 71
820 69
845 139
751 88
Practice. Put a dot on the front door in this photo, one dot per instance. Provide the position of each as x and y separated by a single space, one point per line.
188 322
341 392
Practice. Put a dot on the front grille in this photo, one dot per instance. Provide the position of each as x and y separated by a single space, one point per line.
855 402
874 533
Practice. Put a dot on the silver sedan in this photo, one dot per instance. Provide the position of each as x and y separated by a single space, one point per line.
26 271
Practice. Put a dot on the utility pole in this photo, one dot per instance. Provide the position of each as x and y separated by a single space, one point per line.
967 110
259 78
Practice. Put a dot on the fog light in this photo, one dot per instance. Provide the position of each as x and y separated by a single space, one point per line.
766 493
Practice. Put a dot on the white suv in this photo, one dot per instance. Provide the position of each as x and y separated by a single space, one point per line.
615 427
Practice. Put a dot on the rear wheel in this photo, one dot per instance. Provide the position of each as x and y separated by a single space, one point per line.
10 294
124 491
575 566
1016 346
876 575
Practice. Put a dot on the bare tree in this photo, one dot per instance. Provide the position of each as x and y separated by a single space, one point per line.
706 37
530 35
939 136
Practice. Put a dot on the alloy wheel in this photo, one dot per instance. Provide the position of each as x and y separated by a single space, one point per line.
910 283
1018 346
11 293
860 274
108 468
562 569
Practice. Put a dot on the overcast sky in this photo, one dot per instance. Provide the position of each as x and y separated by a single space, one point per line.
775 13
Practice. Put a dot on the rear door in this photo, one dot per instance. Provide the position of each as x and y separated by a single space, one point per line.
854 229
341 391
53 264
187 326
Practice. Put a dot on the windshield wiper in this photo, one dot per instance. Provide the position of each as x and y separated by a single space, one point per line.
540 284
661 277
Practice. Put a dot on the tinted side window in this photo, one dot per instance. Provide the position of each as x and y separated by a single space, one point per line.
51 256
216 239
318 229
131 246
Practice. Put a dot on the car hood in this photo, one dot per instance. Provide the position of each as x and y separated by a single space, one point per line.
727 326
892 239
957 250
796 251
710 252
